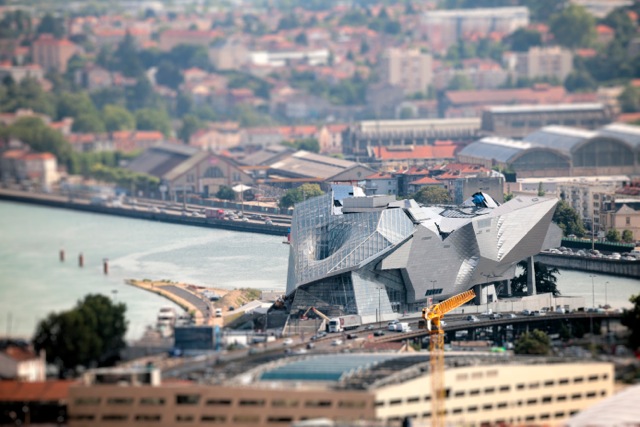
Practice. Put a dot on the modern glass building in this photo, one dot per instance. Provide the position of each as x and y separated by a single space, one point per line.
375 256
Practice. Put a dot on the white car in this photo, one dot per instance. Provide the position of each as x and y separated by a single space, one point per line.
336 342
287 341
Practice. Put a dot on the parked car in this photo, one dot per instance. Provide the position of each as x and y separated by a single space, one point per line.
472 319
336 342
511 316
526 312
287 341
378 333
495 316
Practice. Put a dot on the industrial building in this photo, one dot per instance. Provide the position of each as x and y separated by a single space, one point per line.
375 256
613 149
481 389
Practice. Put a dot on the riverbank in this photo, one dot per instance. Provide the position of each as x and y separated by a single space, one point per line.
194 300
140 212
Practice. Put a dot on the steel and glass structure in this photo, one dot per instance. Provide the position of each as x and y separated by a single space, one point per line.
374 255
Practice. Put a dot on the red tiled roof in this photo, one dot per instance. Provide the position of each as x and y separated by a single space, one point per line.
19 354
546 95
380 175
298 130
14 154
604 29
416 152
39 156
426 181
17 391
48 39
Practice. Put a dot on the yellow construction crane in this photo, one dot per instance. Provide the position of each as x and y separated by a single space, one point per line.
432 316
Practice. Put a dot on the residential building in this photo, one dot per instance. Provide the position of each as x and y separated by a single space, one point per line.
91 142
174 37
398 157
621 214
21 166
417 185
51 53
349 388
135 140
362 136
229 55
21 72
482 73
540 62
21 363
445 28
45 402
516 121
330 138
402 248
277 59
217 137
408 69
472 103
381 183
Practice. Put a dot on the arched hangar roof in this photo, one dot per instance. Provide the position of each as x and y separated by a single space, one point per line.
504 150
627 133
561 138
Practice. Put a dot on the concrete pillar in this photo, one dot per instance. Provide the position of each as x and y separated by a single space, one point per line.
507 287
531 277
480 298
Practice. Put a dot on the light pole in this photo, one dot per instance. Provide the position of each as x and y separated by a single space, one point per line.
593 294
605 295
379 308
433 288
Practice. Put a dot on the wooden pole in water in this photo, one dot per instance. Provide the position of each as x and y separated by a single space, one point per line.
105 265
80 260
61 255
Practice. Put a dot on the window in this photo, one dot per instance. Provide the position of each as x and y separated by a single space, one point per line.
426 415
563 381
530 418
413 399
457 410
534 385
546 399
474 392
520 386
548 383
184 418
593 378
219 402
502 405
487 407
83 417
459 394
462 377
152 401
494 372
545 416
148 417
628 220
591 394
285 420
213 419
359 404
532 401
327 403
251 402
472 409
489 390
187 399
120 401
379 403
246 419
290 403
576 396
88 401
577 380
114 417
505 388
561 398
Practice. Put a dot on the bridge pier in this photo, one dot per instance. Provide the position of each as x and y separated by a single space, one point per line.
531 277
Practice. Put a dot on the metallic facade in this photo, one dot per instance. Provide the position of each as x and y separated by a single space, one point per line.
374 256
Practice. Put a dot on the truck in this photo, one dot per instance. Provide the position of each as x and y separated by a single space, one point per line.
399 327
215 213
344 323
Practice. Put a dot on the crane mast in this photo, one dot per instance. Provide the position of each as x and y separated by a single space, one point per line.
432 316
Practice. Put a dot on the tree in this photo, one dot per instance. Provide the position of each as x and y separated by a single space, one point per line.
74 104
460 82
631 319
152 119
613 235
299 194
524 39
627 236
630 99
568 219
307 144
190 124
168 74
536 342
51 25
90 334
40 137
432 195
225 193
546 279
88 123
573 27
117 118
580 81
127 59
541 191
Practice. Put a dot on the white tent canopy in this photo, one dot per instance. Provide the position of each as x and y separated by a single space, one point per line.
241 188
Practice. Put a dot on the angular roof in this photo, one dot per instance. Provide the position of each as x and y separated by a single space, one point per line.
160 159
627 133
493 147
541 108
47 391
311 165
414 152
561 138
547 95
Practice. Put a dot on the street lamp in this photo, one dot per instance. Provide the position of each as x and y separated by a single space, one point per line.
605 294
379 319
433 288
593 294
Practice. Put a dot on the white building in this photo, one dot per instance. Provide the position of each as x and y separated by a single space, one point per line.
282 59
552 61
410 69
22 364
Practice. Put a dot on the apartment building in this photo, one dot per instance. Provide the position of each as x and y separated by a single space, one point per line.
51 53
537 62
409 69
382 387
444 28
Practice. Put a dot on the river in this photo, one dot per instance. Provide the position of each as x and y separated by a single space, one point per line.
33 282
